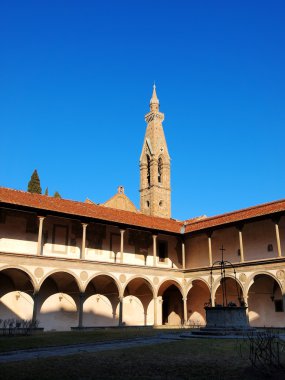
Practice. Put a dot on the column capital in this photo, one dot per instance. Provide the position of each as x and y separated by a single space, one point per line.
35 294
209 233
122 230
276 219
84 225
240 226
40 217
154 236
121 298
184 299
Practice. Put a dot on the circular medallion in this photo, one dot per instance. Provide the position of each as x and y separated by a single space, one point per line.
39 272
83 276
242 277
280 274
122 278
155 280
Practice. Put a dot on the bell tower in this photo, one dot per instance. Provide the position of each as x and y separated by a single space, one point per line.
155 192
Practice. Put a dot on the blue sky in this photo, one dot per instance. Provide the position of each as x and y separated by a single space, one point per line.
76 79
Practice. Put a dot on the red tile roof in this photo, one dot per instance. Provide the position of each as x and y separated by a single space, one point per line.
93 211
133 219
236 216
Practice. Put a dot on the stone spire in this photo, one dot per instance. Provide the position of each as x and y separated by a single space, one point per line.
154 102
155 191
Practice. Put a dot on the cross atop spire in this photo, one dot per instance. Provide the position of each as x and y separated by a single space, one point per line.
154 102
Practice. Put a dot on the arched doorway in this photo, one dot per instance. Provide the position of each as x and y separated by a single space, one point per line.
172 304
138 303
101 299
197 297
265 304
233 293
58 301
16 291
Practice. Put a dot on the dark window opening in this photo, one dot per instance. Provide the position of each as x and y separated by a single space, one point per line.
148 170
278 306
162 250
270 248
159 170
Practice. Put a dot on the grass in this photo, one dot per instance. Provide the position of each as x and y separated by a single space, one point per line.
47 339
187 359
182 360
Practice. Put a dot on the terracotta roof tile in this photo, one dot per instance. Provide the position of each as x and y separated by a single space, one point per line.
134 219
83 209
236 216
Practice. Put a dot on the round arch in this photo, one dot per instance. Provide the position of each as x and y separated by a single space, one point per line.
58 300
190 284
265 300
93 277
140 277
66 271
250 280
171 294
198 295
21 269
138 301
163 286
217 283
16 293
101 301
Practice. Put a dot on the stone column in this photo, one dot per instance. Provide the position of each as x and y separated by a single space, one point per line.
278 239
154 237
241 244
185 314
40 235
121 299
210 248
35 306
245 298
122 245
80 310
183 254
84 226
154 311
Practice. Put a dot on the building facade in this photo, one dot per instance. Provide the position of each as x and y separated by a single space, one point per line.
77 264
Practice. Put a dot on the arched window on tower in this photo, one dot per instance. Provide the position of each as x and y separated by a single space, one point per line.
148 170
159 170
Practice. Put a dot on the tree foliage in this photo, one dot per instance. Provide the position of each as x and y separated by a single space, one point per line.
46 191
34 185
57 195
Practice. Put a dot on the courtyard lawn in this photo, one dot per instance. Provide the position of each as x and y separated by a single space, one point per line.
47 339
186 359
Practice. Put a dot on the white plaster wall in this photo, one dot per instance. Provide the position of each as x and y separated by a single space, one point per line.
229 239
256 237
99 311
58 312
261 308
197 296
133 311
16 305
15 239
196 251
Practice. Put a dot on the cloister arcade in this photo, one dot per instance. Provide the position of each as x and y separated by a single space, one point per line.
61 301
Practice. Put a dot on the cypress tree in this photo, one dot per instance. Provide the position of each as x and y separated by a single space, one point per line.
57 195
34 185
46 191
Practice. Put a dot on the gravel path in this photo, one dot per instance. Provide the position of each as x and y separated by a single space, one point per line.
47 352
